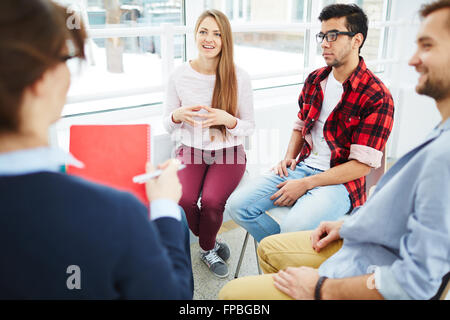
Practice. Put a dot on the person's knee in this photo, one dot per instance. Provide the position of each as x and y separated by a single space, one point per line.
227 292
297 223
251 287
188 201
212 203
266 246
234 206
212 218
263 248
235 290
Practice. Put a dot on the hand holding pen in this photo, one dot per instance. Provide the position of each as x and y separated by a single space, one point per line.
166 185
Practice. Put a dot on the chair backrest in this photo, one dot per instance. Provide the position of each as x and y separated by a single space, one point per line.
443 292
446 292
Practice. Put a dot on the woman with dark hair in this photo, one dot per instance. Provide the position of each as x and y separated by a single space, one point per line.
61 236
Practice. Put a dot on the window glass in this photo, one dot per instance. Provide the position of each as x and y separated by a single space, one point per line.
266 52
372 45
123 64
262 53
373 8
374 11
259 11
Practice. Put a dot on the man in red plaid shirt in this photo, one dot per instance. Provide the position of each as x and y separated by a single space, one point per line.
345 118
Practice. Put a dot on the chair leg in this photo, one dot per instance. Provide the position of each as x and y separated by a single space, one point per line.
236 274
257 260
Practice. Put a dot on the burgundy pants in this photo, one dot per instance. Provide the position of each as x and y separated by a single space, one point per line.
213 175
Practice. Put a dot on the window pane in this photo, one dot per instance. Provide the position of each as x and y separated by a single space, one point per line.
149 12
372 44
371 47
269 52
373 9
120 63
124 63
259 11
298 10
262 53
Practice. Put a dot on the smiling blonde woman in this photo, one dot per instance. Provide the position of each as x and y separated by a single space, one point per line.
209 112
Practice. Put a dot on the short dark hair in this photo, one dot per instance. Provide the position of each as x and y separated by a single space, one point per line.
356 19
32 37
429 8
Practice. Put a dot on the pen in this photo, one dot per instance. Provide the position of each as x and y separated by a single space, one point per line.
142 178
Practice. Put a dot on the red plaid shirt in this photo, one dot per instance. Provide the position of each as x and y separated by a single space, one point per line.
364 116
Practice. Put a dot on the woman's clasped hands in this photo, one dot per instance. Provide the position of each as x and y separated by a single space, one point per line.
213 117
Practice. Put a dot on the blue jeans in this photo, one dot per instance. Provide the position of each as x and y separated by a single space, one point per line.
248 204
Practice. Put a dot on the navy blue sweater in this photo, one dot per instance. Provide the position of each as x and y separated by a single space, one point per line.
50 221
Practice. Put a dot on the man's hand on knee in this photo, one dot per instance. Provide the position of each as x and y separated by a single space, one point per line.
290 191
281 168
325 233
298 283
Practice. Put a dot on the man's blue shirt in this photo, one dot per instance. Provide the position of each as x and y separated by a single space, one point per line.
403 231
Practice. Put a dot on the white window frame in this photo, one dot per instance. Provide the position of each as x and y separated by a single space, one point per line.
191 10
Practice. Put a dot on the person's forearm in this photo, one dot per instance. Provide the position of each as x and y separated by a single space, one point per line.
173 118
343 173
295 145
355 288
230 122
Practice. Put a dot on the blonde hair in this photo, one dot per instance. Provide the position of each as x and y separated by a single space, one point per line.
225 89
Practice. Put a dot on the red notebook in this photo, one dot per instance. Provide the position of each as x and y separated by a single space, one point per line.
112 155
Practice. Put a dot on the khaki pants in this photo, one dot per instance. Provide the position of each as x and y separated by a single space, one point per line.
276 253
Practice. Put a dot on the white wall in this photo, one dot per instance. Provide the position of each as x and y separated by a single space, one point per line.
415 115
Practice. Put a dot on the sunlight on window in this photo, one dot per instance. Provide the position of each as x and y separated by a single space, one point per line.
121 65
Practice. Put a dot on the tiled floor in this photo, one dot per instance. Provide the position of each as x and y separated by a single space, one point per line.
207 286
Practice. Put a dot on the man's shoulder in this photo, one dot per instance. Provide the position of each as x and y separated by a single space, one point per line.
316 74
433 157
374 86
88 185
438 150
66 187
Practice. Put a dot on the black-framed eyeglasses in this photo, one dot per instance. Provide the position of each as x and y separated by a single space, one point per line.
66 58
331 36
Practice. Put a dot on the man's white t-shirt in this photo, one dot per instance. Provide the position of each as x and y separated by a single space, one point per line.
321 154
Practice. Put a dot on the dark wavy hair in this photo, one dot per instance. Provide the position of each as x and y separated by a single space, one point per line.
356 19
33 35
